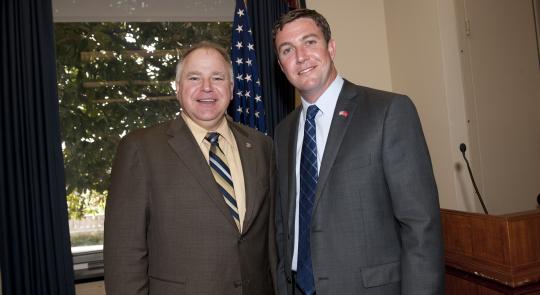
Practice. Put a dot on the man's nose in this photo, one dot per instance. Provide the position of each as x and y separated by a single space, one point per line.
300 55
207 85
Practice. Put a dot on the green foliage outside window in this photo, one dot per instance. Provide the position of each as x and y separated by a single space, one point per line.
113 78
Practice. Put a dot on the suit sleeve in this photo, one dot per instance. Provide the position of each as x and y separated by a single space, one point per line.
125 252
271 223
409 175
281 281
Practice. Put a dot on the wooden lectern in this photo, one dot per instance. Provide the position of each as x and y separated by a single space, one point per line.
487 254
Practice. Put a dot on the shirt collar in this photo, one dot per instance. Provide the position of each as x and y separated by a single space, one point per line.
200 133
327 101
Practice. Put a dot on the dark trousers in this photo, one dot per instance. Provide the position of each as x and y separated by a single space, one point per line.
295 289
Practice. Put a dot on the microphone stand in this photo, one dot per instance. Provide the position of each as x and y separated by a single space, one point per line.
463 148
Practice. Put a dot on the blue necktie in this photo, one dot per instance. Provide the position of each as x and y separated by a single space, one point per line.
308 184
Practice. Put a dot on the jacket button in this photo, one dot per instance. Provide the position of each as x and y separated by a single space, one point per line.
289 280
237 284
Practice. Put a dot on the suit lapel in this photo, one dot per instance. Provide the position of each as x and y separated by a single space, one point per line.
291 144
189 152
343 114
250 167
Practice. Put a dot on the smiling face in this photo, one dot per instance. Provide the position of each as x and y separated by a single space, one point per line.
204 87
306 58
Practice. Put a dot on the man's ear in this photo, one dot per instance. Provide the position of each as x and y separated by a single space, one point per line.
332 48
178 92
232 89
280 66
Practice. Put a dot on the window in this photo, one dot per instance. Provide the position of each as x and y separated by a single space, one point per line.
113 78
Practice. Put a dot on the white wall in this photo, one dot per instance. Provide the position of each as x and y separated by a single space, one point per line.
429 60
394 56
423 55
503 91
142 10
361 44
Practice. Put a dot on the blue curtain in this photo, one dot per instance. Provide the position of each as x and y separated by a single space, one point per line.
35 256
278 93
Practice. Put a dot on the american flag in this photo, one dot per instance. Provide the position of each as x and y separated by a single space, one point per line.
247 105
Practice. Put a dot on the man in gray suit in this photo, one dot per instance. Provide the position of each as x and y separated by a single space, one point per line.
176 224
357 209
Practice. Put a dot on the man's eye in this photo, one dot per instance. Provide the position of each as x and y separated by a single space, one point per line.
219 78
193 78
311 42
285 51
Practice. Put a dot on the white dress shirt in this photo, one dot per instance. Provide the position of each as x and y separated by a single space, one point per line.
326 104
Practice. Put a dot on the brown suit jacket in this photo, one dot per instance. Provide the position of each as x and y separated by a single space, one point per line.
167 227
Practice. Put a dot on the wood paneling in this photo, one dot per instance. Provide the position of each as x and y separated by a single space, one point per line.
505 249
459 282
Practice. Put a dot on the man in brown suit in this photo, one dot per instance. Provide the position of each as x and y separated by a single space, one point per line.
172 225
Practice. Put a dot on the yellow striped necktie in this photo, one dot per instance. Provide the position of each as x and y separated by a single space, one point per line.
222 175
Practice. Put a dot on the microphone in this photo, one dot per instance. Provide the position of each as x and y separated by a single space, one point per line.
463 148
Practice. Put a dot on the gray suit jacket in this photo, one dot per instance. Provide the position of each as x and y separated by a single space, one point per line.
167 227
375 226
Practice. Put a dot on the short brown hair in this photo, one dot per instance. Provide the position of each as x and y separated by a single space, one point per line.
204 45
293 15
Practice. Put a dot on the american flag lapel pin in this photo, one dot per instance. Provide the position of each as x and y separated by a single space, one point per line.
343 114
